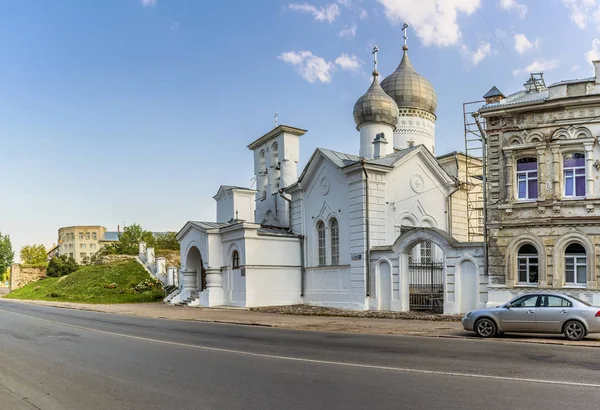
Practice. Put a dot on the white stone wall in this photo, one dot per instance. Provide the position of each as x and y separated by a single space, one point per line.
269 272
272 269
413 196
465 282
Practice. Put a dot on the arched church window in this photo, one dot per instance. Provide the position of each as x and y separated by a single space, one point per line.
275 155
235 260
528 264
575 265
262 166
321 243
335 242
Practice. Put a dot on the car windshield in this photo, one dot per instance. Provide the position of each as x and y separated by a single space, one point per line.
583 302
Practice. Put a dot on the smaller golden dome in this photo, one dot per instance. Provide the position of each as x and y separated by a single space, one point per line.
376 106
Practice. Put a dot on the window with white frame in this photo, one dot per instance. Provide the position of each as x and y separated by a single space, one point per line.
574 175
335 242
528 268
321 243
575 265
527 178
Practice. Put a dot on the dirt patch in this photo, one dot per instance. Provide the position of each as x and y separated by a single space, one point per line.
306 310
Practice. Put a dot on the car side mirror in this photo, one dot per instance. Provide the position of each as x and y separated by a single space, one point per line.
508 306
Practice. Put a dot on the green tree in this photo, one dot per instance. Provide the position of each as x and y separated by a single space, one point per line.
130 238
6 252
167 241
33 254
61 265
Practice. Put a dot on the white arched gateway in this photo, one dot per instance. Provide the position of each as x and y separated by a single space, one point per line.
458 282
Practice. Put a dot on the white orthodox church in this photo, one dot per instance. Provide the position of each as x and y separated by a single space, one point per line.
381 229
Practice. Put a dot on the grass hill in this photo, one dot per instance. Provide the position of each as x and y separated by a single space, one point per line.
119 282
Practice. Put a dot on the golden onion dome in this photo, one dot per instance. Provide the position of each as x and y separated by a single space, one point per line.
375 106
410 89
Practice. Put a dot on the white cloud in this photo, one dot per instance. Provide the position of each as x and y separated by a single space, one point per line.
510 5
346 62
580 11
311 67
478 55
362 14
348 32
345 3
575 68
542 65
327 13
147 3
316 69
594 53
500 33
434 21
522 43
538 66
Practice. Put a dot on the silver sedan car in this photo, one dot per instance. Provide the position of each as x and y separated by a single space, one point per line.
536 313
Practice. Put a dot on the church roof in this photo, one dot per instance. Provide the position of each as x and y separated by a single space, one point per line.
410 89
339 158
275 231
391 159
209 225
375 106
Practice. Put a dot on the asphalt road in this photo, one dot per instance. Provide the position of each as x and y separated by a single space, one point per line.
53 358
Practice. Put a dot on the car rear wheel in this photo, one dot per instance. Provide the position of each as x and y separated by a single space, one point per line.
485 328
574 330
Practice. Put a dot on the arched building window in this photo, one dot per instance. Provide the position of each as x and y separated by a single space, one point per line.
574 175
335 241
575 265
235 260
321 243
262 165
528 266
275 155
527 178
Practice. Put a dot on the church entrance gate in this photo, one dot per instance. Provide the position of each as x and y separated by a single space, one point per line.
426 285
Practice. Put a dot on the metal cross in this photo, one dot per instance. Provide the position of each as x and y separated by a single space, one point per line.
375 51
276 116
404 27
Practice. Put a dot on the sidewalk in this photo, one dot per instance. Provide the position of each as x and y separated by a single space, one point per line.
315 323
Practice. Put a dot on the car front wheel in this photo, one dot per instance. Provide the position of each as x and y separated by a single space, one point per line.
574 330
485 328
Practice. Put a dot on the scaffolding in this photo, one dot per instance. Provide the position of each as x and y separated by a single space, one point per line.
474 169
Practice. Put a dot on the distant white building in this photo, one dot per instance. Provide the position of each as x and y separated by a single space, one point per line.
380 230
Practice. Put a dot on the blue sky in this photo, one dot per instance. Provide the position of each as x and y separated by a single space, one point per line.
123 111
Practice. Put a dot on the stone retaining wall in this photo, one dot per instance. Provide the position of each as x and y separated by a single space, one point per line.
21 275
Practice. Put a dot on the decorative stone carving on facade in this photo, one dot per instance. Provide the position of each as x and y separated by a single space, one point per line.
325 185
417 183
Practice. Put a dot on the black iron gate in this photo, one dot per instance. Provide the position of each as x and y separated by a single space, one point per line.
426 286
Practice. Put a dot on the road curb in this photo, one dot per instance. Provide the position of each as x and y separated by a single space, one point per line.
59 305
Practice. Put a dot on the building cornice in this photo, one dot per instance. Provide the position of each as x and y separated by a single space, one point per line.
274 133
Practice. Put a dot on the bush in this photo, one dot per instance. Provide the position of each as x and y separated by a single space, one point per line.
61 265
